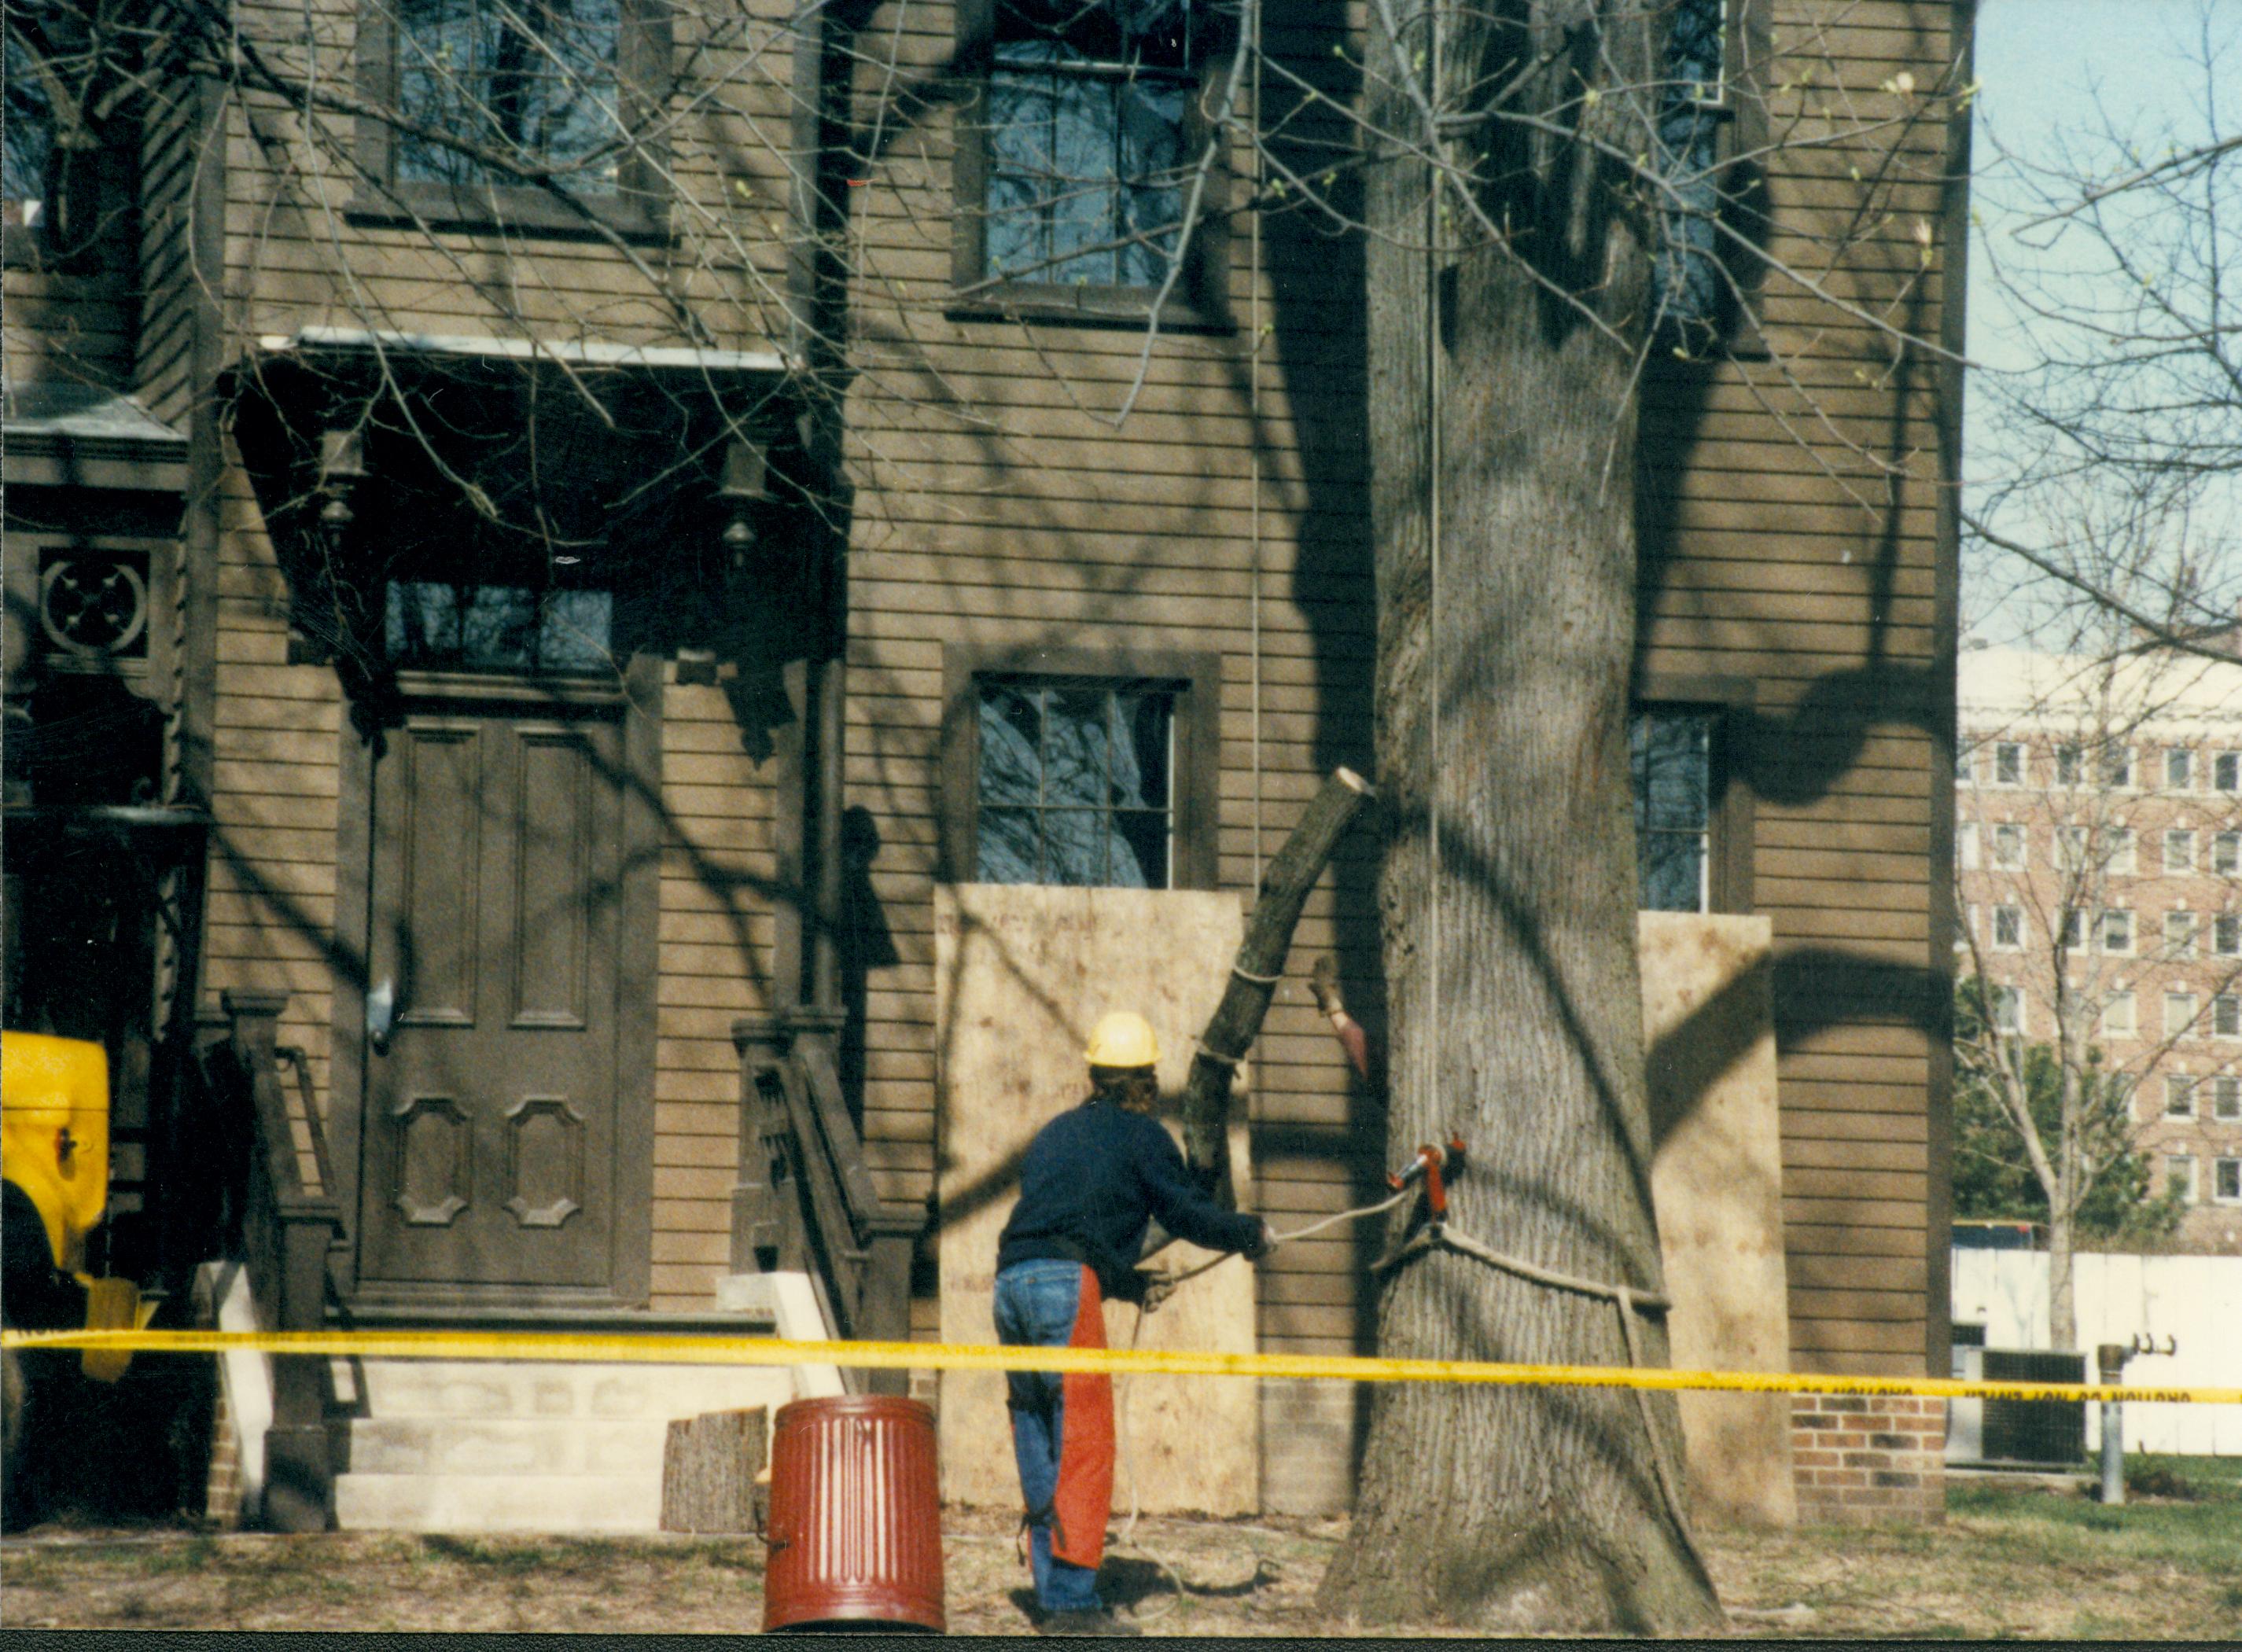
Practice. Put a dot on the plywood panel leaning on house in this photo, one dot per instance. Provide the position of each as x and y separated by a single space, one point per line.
1020 973
1716 1182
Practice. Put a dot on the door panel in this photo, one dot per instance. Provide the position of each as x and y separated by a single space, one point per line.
488 1150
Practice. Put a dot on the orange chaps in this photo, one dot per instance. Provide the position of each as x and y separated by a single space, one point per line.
1084 1498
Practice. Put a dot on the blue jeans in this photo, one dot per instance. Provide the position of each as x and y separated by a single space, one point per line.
1036 1305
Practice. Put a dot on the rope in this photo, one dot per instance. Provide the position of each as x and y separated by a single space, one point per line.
1246 975
1628 1301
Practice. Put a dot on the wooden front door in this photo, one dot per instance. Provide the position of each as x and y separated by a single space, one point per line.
489 1158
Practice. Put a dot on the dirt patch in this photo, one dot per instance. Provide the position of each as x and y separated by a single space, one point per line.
2038 1566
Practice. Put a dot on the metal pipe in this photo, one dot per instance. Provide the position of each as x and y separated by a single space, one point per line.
2111 1356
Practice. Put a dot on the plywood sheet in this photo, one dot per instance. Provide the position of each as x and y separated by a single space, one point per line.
1021 975
1717 1183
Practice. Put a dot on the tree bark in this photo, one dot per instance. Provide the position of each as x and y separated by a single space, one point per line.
1508 889
1237 1020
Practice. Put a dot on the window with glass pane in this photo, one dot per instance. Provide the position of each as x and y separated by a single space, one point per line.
2179 1175
432 624
2179 768
2179 935
2007 763
1671 754
1685 267
533 79
2226 1016
2226 771
2008 1009
2116 930
27 140
2067 765
1087 106
2227 935
2227 1181
2180 1096
2008 927
2226 1097
2179 1014
2179 852
1074 784
2117 1021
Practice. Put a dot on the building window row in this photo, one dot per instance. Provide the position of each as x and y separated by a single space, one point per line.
2116 766
2109 850
2226 1179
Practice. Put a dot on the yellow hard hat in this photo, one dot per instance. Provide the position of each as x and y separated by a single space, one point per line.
1123 1038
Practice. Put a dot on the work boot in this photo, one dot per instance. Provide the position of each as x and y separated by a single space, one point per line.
1087 1621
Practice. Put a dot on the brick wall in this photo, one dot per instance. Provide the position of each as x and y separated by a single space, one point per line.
1860 1461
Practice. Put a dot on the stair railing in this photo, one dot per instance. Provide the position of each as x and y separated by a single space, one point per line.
805 1200
291 1218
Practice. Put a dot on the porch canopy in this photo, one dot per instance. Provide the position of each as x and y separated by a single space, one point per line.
557 504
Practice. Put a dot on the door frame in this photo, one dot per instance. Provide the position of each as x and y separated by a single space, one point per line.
637 964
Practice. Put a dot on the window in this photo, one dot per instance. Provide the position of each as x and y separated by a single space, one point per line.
1706 116
51 189
2070 848
2226 1016
429 624
1076 158
2226 1097
1965 762
2179 769
2008 1003
2119 850
2226 853
561 89
2179 1014
2179 1175
2009 848
2067 765
2179 852
2179 1095
1074 785
1670 753
2179 935
2118 1016
1965 846
2227 935
2008 929
2226 1181
2073 932
1092 768
2116 930
27 140
2007 763
2226 771
2116 766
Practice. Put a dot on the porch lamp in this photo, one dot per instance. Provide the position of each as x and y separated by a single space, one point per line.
342 467
741 488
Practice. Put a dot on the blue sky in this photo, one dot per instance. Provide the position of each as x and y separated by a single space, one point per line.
2051 74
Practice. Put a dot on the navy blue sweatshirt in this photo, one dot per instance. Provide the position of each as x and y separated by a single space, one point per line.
1093 1179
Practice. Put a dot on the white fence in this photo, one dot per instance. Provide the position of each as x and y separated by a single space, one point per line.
2197 1300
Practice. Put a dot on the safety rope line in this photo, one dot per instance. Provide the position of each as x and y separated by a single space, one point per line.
1246 975
655 1347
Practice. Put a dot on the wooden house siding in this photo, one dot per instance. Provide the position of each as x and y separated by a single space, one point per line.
1797 527
1001 506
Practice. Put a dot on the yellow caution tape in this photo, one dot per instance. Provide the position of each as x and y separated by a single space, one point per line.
671 1348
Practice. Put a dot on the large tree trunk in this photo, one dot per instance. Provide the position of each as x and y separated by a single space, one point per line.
2062 1273
1516 1015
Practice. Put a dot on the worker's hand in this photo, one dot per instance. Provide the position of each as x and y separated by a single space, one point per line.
1323 984
1155 1287
1264 1242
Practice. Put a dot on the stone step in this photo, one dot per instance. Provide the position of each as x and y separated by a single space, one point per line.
558 1503
509 1445
556 1391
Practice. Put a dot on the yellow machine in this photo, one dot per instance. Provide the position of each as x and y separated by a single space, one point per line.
54 1152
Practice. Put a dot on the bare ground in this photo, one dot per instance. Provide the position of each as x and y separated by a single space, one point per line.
2033 1565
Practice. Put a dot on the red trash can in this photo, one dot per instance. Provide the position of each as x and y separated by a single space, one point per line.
854 1528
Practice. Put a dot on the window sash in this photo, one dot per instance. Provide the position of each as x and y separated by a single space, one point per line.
1671 756
1076 783
539 79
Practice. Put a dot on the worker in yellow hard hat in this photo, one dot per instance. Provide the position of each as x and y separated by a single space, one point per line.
1093 1181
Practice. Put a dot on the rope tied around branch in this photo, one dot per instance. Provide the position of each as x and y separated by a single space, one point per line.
1628 1300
